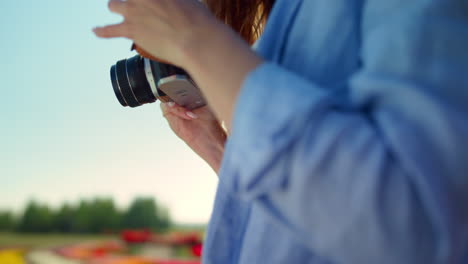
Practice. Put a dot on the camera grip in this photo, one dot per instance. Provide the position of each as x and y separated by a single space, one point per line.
182 91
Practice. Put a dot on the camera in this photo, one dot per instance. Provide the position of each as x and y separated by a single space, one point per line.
138 80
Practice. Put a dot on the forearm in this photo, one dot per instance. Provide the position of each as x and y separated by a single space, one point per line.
219 65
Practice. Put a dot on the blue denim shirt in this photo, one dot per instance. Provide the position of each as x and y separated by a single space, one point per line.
350 143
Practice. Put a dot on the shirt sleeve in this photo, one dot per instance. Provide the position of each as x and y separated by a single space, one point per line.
382 181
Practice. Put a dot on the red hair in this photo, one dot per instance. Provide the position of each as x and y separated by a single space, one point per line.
246 17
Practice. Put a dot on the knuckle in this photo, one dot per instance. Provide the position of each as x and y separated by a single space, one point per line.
179 111
113 5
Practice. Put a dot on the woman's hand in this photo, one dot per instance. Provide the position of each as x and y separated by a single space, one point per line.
185 33
163 28
199 129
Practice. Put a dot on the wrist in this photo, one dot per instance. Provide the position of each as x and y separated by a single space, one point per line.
210 145
219 63
214 157
198 42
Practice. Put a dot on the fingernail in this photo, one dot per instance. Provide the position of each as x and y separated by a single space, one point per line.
192 115
171 104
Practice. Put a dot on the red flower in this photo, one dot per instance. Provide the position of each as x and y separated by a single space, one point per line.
197 250
136 236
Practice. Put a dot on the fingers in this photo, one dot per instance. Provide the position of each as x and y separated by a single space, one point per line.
117 6
172 109
116 30
112 31
205 113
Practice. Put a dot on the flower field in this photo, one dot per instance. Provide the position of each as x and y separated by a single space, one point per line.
131 247
12 256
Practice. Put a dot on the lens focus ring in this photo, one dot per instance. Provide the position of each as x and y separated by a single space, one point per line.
123 82
115 85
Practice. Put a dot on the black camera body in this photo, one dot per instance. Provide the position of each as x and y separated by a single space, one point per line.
138 80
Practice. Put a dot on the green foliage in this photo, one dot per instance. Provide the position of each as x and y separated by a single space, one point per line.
104 216
7 221
64 219
99 215
36 218
142 213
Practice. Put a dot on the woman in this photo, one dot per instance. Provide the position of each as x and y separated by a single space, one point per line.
349 129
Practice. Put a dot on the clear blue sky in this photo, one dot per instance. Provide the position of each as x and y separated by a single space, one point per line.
64 135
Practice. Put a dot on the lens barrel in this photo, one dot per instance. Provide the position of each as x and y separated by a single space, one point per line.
137 81
130 84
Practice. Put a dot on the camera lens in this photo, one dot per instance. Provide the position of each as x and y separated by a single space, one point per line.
130 84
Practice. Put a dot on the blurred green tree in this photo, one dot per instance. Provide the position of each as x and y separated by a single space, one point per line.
99 215
96 216
144 213
36 218
82 218
104 216
64 217
7 221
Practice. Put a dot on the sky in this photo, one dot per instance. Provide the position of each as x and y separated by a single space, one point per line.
63 134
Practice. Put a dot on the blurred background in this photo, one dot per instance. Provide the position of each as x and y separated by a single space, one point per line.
69 150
